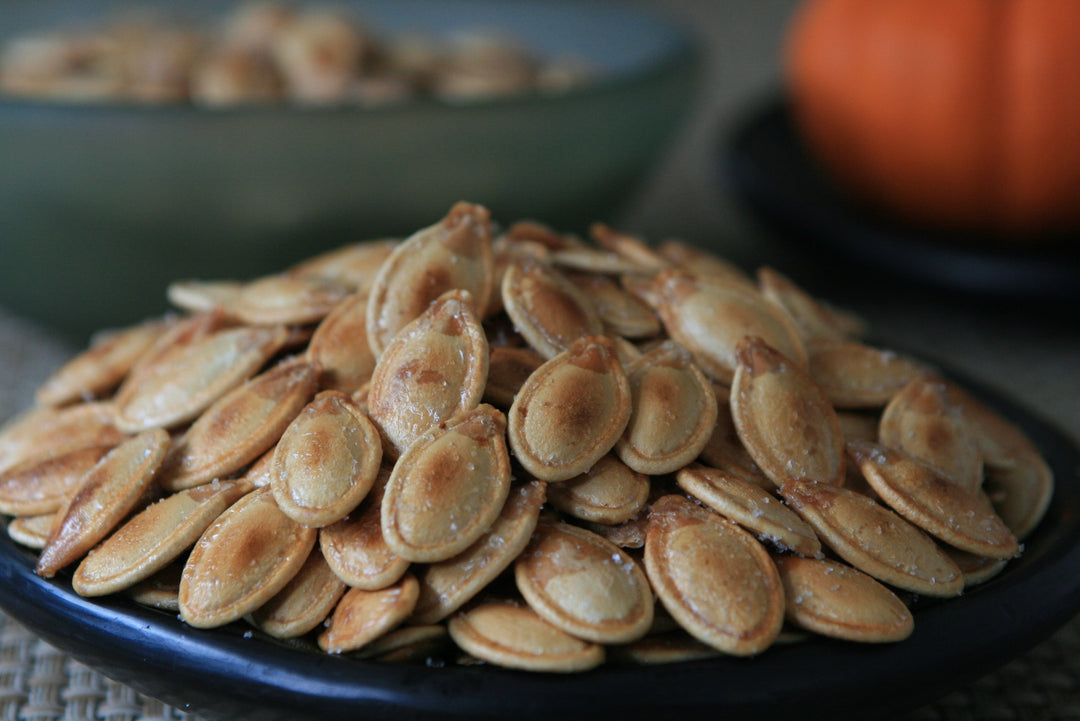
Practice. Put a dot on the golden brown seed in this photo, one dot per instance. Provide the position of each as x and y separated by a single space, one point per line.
32 531
242 561
153 538
587 259
663 648
836 600
447 585
713 577
410 643
44 432
340 349
43 486
584 584
107 493
753 508
874 539
610 492
507 371
784 421
454 253
631 248
160 591
355 549
813 318
546 308
1021 493
100 368
702 263
710 319
510 634
326 461
286 300
571 411
304 602
725 452
976 569
921 420
448 487
673 411
239 427
189 377
198 296
628 534
363 616
621 313
354 266
434 368
854 375
957 514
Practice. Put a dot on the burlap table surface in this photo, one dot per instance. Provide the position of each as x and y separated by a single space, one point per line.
38 683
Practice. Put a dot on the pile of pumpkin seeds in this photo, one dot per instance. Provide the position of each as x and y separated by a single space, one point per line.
532 449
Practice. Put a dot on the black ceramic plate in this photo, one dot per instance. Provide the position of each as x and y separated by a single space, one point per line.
233 674
765 166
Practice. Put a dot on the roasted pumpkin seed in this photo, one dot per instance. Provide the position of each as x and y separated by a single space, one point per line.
363 616
571 411
546 308
326 461
713 577
304 603
434 368
448 487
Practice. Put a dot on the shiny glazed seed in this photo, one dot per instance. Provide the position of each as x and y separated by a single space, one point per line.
507 371
610 492
304 603
363 616
510 634
108 492
286 300
673 411
340 348
957 514
355 548
436 367
814 319
354 265
445 586
101 367
243 560
43 486
621 313
45 432
921 420
1021 493
31 531
186 379
784 421
836 600
153 538
239 427
326 461
854 375
448 487
753 508
454 253
710 319
874 539
713 577
546 308
584 584
571 411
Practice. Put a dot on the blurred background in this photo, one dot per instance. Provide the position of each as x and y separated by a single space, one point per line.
1008 321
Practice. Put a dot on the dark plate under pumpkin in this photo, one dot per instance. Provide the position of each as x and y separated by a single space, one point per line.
232 673
766 166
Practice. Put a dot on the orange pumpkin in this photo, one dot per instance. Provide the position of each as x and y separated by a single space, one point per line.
962 114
